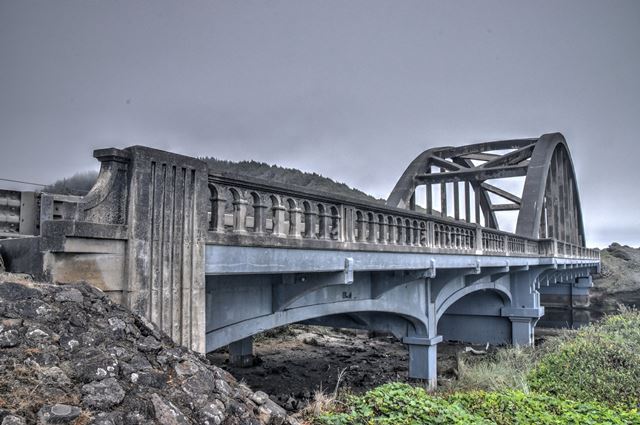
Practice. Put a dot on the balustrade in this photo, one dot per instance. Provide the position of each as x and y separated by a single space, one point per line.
260 210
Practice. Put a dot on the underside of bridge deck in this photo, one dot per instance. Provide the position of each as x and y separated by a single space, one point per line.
421 299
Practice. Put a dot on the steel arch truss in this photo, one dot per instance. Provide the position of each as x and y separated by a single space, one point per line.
549 206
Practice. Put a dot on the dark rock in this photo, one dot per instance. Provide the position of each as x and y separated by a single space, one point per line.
166 412
213 412
196 385
10 291
271 413
259 398
13 420
149 344
72 343
150 378
186 368
56 376
11 323
58 414
103 394
69 295
10 338
170 355
91 364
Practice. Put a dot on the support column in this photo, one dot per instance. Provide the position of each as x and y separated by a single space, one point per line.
310 224
279 229
294 223
325 226
423 359
240 216
523 322
259 219
580 292
241 352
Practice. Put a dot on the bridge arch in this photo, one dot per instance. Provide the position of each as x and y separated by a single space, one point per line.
550 198
217 338
549 206
501 290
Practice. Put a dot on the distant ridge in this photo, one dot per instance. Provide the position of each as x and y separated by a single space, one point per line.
81 183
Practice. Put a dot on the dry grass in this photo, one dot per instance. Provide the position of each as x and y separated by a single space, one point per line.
24 395
505 368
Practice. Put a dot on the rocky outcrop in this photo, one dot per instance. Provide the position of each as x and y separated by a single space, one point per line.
619 280
68 355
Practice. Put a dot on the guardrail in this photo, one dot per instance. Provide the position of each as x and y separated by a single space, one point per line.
247 211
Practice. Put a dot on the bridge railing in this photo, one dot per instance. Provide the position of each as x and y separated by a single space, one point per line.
246 211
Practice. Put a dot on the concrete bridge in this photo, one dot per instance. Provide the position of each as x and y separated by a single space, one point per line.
213 259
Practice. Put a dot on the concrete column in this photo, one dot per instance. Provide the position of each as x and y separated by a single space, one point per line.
241 352
409 233
478 240
393 235
361 229
279 228
521 331
310 224
580 292
259 218
402 235
372 231
523 321
294 223
384 233
339 236
325 221
240 216
423 359
217 211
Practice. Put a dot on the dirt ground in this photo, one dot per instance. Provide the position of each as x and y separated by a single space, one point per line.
293 362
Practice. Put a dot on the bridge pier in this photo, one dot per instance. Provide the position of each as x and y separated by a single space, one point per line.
241 352
567 300
423 359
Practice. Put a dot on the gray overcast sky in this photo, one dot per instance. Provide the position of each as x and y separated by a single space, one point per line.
353 90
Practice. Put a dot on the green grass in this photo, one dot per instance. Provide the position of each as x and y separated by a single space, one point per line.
591 376
402 404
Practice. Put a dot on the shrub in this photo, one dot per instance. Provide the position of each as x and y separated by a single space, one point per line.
403 404
516 407
400 404
601 363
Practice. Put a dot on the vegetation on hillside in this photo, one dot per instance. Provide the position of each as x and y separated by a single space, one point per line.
81 183
601 362
590 376
278 174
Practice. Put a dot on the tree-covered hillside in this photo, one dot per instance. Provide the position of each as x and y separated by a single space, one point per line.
80 184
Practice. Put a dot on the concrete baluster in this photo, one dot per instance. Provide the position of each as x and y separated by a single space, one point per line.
279 225
295 215
240 216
